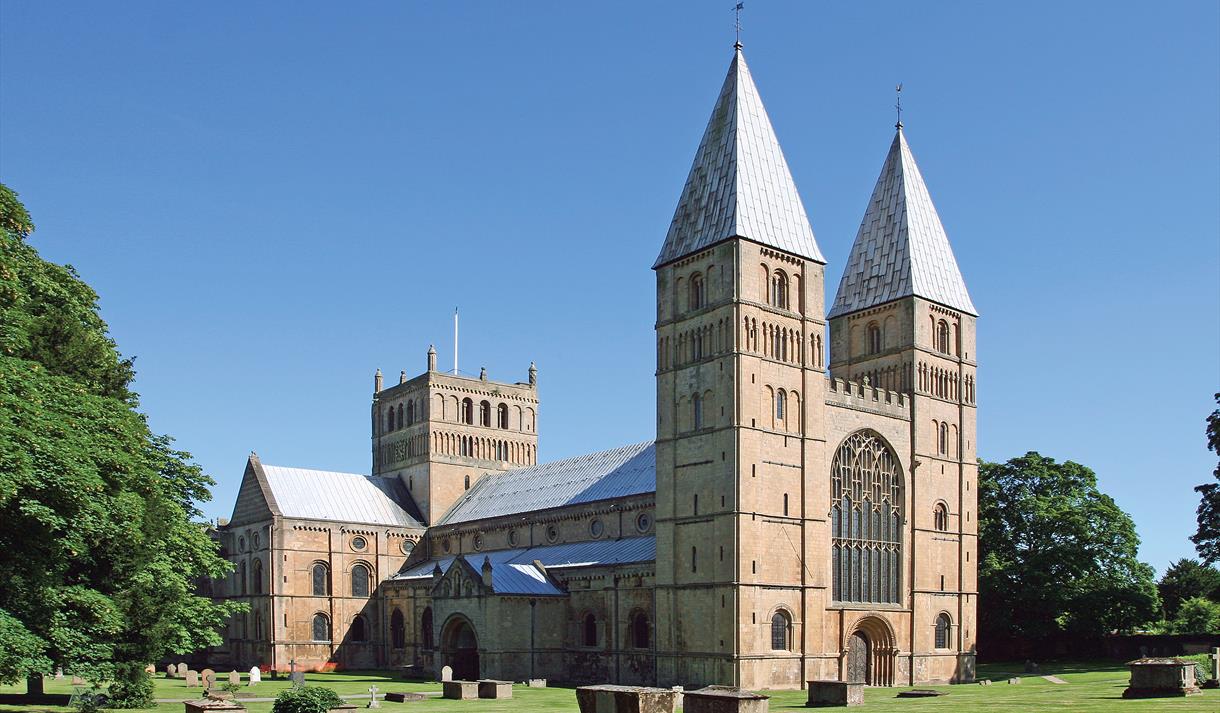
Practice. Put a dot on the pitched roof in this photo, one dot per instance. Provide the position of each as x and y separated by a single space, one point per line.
514 572
343 497
739 184
901 248
629 470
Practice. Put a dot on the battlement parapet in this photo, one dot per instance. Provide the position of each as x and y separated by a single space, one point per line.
865 397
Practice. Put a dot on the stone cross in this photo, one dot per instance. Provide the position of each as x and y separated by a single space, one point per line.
256 676
373 697
209 677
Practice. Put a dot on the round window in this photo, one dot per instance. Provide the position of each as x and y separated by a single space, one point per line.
596 528
478 542
643 522
512 537
408 546
359 543
552 533
445 545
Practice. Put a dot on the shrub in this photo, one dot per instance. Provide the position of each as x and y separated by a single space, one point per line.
90 701
306 699
132 687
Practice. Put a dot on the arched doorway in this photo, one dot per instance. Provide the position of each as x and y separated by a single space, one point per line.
858 658
869 652
460 649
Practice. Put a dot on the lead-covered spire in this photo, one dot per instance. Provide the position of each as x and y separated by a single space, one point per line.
739 184
901 248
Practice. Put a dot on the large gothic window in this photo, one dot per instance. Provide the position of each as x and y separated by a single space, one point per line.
866 492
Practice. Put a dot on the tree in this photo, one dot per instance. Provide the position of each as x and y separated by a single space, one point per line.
1185 579
1207 537
99 541
1197 616
1057 558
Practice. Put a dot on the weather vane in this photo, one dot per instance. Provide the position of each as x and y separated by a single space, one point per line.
898 106
737 10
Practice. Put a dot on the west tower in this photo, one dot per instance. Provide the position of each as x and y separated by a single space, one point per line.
739 365
903 321
440 432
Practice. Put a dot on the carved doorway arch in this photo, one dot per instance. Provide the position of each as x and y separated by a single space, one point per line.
869 652
460 648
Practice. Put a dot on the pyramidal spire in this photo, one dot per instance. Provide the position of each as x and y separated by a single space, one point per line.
739 184
901 248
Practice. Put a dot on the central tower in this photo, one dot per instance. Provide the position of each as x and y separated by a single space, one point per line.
739 362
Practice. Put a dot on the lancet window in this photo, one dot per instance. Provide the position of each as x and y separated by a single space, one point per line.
866 495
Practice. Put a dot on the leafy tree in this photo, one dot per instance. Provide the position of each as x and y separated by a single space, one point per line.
1185 579
1057 558
1197 616
1207 537
99 543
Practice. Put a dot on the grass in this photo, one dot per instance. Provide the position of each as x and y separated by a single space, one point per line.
1091 686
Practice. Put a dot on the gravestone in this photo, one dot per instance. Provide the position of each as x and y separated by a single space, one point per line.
182 669
985 682
920 693
536 683
724 699
208 676
495 689
404 697
59 674
835 693
373 703
297 678
1213 670
1161 677
1014 680
461 690
256 676
446 673
150 669
171 671
636 699
192 679
235 678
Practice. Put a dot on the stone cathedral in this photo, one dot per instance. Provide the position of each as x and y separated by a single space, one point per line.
807 510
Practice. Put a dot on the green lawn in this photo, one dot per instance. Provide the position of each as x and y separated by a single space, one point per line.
1090 687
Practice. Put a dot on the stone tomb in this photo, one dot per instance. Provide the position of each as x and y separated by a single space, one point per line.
212 705
461 690
536 683
625 699
835 693
495 689
724 699
1161 677
192 679
404 697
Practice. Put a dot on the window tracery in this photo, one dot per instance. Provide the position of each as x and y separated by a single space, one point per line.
866 520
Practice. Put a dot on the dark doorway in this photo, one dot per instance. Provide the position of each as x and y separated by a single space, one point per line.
461 650
858 659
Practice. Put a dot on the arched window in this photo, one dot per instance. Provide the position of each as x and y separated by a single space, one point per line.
697 404
358 630
874 338
698 295
389 420
866 491
425 628
256 573
943 625
258 626
485 414
398 630
241 572
942 336
360 581
589 630
400 422
321 628
781 631
639 634
410 412
502 415
779 290
321 584
468 411
942 439
940 517
468 482
781 407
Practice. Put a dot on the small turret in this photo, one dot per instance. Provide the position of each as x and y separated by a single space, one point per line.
437 573
533 374
431 357
486 572
377 382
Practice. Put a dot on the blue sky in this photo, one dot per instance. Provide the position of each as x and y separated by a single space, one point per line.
274 200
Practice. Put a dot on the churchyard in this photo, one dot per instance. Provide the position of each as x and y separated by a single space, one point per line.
1088 686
